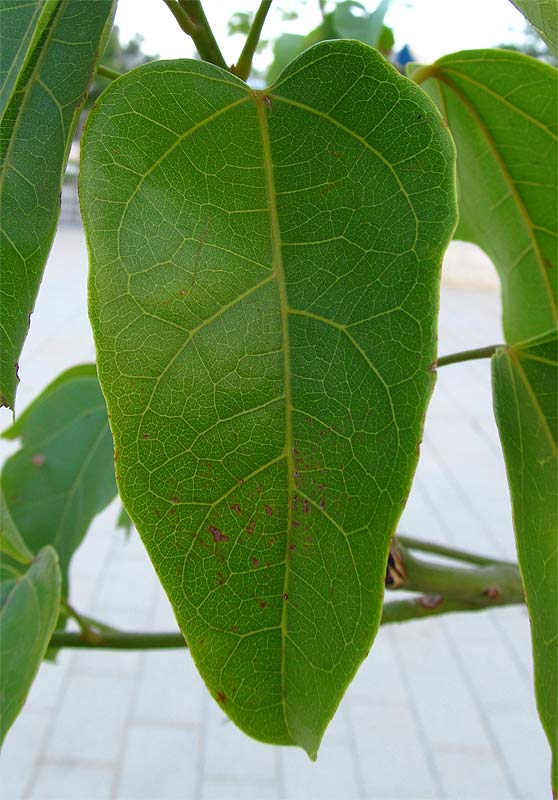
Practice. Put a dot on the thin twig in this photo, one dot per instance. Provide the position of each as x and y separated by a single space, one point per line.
468 355
191 17
107 72
450 552
244 64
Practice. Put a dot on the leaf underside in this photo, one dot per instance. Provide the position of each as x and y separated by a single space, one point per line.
42 104
263 293
525 383
502 108
62 476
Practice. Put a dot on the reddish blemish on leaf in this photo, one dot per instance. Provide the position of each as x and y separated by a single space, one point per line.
236 508
234 628
38 460
174 499
221 698
201 642
305 506
285 596
251 527
255 562
268 511
220 579
431 601
218 536
146 436
263 604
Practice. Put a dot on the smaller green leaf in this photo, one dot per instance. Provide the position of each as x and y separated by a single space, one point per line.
525 385
543 16
386 40
63 474
502 110
11 542
28 616
366 28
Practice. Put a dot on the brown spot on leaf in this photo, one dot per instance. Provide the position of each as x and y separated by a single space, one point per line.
218 536
236 508
285 596
263 604
38 460
146 436
255 562
251 527
493 593
268 511
221 698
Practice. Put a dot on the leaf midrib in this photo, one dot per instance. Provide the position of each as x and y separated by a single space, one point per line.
278 271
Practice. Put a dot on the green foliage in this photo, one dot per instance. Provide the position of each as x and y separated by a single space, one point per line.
341 23
43 94
263 311
11 543
63 474
501 108
264 290
543 16
28 613
525 383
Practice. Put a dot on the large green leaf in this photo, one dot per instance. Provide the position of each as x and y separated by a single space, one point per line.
28 614
543 16
263 292
63 474
502 110
36 129
525 384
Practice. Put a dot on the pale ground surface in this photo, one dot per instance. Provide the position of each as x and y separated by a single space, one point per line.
441 709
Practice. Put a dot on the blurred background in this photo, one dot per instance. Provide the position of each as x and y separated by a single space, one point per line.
442 708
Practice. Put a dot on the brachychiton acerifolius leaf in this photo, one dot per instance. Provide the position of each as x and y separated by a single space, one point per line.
263 292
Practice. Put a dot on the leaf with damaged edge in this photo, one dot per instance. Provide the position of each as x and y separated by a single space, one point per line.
525 386
502 109
263 292
35 136
543 16
63 474
28 614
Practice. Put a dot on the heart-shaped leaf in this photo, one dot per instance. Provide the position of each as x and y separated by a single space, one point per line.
502 109
525 383
263 292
